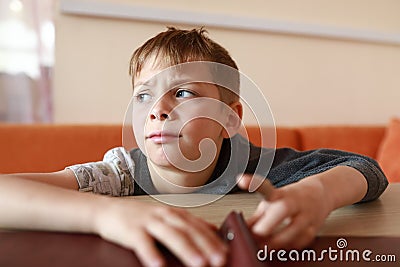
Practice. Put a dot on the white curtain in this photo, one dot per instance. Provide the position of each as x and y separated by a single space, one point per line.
26 60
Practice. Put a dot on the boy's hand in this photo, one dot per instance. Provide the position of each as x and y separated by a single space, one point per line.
137 226
289 217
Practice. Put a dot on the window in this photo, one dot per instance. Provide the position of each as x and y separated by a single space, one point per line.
26 60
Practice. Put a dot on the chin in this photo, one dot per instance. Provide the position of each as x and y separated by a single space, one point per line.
160 161
160 158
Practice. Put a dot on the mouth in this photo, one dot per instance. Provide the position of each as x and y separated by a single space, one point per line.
162 137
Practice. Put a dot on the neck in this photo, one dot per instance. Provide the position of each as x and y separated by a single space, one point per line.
172 180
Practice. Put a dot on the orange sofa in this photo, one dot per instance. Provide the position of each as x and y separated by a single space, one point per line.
45 148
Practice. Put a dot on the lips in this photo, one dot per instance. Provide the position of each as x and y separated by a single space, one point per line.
161 137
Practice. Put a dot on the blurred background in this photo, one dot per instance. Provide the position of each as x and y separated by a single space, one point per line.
318 62
26 60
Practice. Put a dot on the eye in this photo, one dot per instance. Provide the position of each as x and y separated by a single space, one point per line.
184 93
143 97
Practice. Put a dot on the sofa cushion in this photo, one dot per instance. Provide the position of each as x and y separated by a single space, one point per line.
389 151
363 140
46 148
288 137
285 137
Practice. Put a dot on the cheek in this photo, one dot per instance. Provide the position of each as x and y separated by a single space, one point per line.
194 133
201 128
139 117
200 116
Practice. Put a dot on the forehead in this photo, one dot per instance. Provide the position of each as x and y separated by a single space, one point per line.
201 70
169 77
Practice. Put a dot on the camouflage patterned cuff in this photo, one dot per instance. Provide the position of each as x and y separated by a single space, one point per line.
112 176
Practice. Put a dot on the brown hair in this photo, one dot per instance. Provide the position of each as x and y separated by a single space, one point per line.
175 46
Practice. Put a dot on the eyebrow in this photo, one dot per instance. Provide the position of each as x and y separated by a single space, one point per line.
147 82
174 83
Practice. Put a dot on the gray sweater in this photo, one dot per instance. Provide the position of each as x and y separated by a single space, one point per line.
122 173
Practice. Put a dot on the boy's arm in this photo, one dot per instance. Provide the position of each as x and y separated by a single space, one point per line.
291 166
342 186
302 207
65 178
26 204
311 184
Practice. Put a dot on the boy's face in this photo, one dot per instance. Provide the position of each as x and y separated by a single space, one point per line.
174 117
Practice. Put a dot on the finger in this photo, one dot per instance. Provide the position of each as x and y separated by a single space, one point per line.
141 243
272 217
262 206
202 236
244 181
297 235
208 242
266 189
178 242
147 252
251 182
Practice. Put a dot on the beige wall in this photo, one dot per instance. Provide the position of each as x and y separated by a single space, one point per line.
307 80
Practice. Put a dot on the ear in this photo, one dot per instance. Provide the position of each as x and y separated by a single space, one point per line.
234 120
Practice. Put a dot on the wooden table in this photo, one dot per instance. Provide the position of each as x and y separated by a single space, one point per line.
378 218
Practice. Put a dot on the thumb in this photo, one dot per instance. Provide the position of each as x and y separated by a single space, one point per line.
255 182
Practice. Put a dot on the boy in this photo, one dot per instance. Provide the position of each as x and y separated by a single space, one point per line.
311 184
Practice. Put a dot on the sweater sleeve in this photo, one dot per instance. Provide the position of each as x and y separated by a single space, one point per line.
112 176
290 166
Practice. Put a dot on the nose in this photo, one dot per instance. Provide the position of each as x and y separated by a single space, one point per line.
161 110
